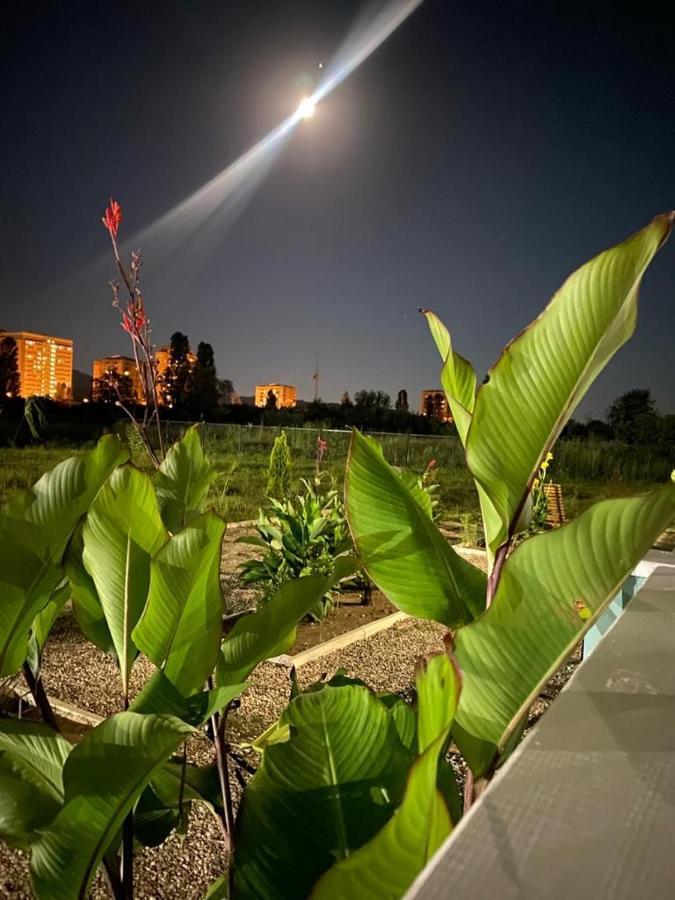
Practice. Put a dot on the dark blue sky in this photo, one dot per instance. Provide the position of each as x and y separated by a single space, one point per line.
481 154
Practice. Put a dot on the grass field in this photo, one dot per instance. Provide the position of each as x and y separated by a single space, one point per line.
587 470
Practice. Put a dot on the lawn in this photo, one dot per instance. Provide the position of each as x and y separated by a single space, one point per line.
587 470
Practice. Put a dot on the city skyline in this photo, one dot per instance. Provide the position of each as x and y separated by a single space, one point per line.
476 159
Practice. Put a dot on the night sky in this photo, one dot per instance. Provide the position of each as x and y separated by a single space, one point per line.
483 152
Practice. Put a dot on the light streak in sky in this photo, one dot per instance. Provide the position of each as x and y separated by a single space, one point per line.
217 203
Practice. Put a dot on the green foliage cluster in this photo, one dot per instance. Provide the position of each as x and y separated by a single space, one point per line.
139 557
354 792
280 469
302 535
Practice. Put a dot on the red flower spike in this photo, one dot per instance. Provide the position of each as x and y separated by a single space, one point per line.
112 218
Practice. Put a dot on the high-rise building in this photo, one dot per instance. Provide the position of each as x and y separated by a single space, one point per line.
286 394
45 364
116 365
433 402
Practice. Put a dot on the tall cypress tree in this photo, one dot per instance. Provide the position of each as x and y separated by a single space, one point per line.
203 397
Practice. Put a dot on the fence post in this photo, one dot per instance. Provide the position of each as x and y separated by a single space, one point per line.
407 449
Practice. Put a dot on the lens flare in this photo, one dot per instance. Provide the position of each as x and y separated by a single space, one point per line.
207 214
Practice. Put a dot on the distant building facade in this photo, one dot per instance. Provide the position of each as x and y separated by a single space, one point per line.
115 365
45 364
286 394
433 402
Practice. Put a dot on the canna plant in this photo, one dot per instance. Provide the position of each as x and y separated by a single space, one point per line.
364 803
139 558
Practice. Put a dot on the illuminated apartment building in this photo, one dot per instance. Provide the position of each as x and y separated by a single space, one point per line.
286 394
433 403
120 365
45 364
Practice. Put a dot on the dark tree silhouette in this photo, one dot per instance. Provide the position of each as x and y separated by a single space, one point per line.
402 401
346 400
113 386
203 397
633 417
271 400
178 375
10 384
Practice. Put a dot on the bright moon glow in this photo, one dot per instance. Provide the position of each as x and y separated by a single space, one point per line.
207 214
307 108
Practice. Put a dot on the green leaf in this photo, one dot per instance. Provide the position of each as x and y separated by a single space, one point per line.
123 530
61 497
272 630
31 780
218 890
543 373
388 864
43 622
160 696
183 481
103 777
457 376
402 550
28 578
331 786
153 821
552 589
199 783
181 626
87 607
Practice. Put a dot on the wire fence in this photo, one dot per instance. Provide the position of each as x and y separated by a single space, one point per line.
410 450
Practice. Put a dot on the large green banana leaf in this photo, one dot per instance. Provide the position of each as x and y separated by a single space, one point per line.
183 481
87 607
103 777
42 624
122 532
457 376
61 497
387 865
542 374
28 578
35 526
320 794
272 630
31 778
181 626
400 546
552 589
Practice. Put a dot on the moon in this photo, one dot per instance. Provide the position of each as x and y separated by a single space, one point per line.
306 109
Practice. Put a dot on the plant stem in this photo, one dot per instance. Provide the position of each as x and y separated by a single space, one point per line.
218 726
40 697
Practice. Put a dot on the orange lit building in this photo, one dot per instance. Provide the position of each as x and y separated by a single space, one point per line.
286 394
121 365
45 364
433 403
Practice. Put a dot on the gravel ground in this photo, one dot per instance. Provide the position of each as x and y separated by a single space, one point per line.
182 868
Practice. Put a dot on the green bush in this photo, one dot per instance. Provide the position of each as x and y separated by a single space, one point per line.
303 535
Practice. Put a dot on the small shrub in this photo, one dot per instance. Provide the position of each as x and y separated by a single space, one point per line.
280 467
303 535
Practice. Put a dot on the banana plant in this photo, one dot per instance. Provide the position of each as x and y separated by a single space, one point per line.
140 560
513 629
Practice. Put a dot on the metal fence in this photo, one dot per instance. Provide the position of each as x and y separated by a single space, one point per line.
414 450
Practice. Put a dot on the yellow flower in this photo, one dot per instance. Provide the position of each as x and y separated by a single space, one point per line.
549 457
535 484
544 465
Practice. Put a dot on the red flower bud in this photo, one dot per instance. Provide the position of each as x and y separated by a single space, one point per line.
112 218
